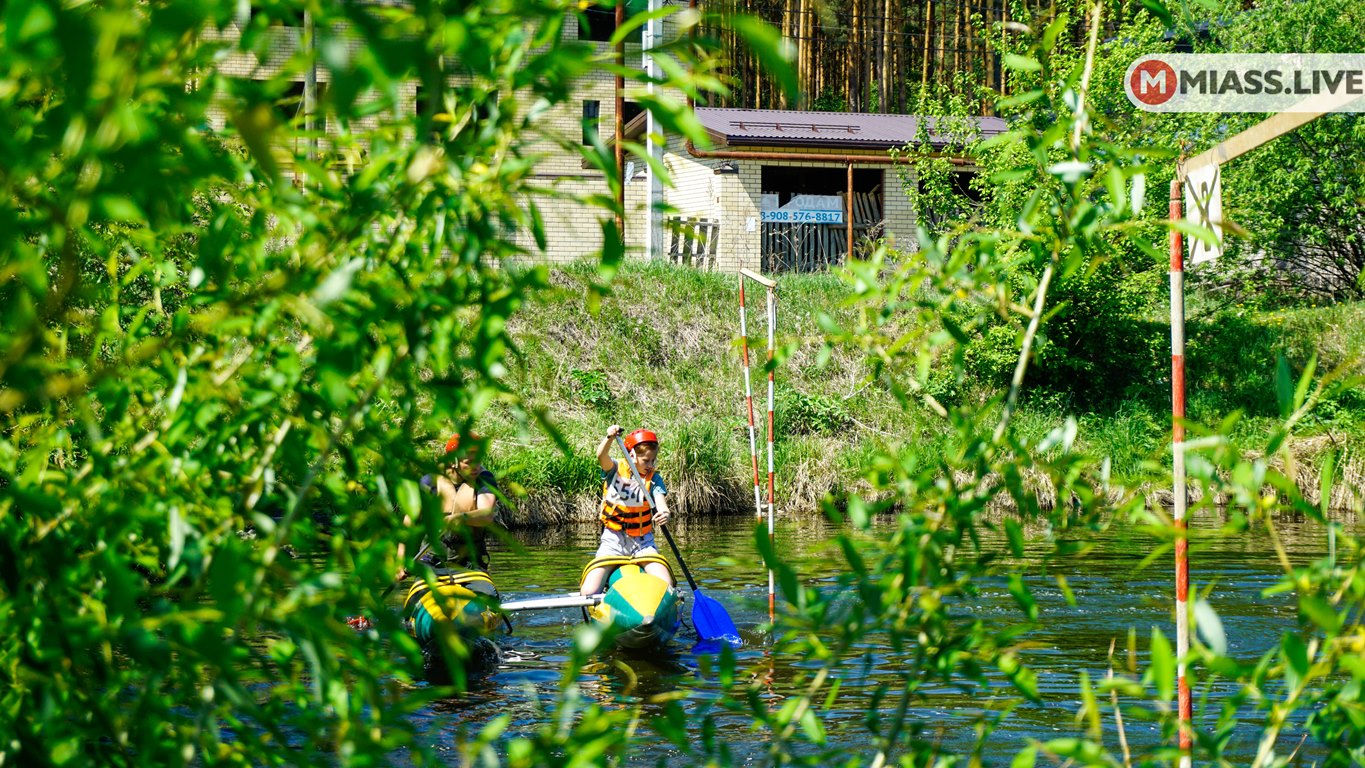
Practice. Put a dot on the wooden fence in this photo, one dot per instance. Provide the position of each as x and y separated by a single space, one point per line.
693 241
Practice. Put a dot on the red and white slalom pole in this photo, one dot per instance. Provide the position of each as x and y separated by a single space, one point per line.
749 398
1182 545
749 402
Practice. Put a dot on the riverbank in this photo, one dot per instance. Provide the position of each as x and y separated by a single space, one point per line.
663 351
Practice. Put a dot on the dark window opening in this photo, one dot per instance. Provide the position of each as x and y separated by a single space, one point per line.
483 110
965 201
275 14
961 184
599 22
631 111
289 107
787 245
787 182
592 115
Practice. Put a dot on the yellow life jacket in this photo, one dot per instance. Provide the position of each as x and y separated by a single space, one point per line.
626 506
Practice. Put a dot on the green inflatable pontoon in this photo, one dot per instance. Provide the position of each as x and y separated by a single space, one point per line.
639 610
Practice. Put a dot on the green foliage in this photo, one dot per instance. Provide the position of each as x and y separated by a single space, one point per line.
700 451
575 472
591 389
804 414
225 358
228 344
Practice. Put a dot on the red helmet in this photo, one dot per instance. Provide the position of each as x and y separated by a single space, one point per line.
640 436
454 442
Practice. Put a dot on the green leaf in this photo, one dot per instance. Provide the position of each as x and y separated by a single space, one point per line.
1027 758
27 21
1139 193
1065 587
409 499
1054 29
811 726
1326 481
1014 532
955 330
1284 386
177 530
1210 626
1305 382
1161 672
119 208
1020 99
1023 596
1159 10
1321 613
1022 63
1113 179
1295 655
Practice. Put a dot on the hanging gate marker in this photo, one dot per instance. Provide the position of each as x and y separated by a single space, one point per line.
745 274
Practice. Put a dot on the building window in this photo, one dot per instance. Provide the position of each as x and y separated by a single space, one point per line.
599 22
592 113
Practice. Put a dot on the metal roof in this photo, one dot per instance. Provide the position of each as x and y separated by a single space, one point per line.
781 127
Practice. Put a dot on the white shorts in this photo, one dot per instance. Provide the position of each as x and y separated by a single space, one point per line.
618 544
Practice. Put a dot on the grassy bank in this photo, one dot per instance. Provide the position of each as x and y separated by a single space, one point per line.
663 352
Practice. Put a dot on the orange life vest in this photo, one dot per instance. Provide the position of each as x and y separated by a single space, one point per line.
625 507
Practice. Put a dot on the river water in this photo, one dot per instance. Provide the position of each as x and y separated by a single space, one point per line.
1112 596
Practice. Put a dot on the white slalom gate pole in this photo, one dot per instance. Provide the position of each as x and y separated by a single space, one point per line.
749 398
772 536
749 401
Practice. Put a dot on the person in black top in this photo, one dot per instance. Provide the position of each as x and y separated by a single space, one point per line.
469 501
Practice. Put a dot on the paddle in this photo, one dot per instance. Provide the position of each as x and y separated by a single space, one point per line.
708 616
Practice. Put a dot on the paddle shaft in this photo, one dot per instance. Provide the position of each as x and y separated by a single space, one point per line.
649 499
546 603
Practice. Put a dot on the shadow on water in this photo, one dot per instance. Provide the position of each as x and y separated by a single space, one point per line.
1112 597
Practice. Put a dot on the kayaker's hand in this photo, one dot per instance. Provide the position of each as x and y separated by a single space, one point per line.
614 431
402 574
660 516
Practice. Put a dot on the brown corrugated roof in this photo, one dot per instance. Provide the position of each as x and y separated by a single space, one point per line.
850 130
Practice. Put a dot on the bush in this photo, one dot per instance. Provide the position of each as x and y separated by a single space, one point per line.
803 414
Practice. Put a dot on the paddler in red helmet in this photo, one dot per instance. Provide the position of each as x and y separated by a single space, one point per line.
627 516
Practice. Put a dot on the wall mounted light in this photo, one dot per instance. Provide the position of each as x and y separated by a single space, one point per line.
728 166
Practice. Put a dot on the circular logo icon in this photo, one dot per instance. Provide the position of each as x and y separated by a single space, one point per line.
1152 82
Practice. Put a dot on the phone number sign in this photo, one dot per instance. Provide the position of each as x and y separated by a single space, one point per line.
803 217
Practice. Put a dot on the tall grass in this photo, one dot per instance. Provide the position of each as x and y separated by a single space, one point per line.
662 351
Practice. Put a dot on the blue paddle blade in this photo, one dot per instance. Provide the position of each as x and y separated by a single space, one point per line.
711 620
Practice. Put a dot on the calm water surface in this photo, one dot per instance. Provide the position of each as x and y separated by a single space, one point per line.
1112 595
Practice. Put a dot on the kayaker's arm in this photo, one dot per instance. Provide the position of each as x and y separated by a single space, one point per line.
604 459
660 507
485 507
